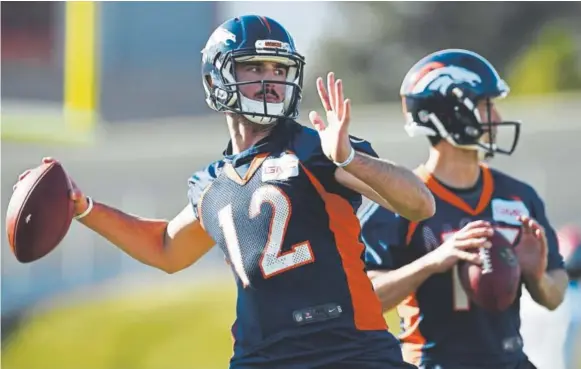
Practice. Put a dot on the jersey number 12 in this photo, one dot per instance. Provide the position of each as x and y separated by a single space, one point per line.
273 261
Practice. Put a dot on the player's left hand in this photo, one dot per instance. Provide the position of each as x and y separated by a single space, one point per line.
532 249
335 134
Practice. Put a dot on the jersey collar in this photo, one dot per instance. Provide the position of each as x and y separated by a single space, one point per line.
269 143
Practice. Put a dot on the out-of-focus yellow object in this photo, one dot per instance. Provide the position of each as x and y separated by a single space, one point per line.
547 66
74 121
392 319
81 61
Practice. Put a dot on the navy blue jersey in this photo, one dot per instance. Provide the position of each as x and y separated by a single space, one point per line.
291 235
440 324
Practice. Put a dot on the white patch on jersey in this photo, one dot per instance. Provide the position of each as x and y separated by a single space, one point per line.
511 234
279 169
507 211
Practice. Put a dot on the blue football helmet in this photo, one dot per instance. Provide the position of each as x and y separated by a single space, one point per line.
251 38
440 94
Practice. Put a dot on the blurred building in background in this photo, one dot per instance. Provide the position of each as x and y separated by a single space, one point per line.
148 55
134 69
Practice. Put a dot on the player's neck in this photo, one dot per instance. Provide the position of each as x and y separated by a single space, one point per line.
454 167
244 134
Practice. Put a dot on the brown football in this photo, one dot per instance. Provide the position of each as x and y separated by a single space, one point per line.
493 285
40 212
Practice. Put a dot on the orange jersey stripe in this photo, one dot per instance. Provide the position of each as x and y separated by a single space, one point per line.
410 233
453 199
409 312
345 226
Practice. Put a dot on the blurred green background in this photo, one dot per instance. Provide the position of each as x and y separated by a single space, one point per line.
178 327
113 90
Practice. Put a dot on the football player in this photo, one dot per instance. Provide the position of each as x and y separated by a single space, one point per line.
449 96
281 204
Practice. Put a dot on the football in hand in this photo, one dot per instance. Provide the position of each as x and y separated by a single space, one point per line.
493 285
40 212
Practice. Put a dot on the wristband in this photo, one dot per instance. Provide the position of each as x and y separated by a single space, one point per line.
348 160
87 211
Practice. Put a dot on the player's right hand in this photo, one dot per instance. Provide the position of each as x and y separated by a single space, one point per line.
79 199
460 246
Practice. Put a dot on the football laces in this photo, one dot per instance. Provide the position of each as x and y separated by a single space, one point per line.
486 261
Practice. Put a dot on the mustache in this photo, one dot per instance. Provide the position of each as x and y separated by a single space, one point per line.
267 91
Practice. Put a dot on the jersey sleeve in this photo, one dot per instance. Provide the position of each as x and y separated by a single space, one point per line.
555 260
311 155
199 181
384 236
363 146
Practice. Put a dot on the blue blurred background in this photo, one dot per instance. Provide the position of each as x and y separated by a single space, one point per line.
113 90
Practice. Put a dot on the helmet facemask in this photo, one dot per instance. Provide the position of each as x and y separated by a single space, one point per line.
494 139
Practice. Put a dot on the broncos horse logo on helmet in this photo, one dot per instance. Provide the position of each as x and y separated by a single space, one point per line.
245 39
440 94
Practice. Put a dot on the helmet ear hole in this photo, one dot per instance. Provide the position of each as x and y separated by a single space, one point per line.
434 140
472 131
208 79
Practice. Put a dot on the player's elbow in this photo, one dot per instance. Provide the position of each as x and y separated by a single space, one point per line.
183 247
558 289
163 262
170 269
176 262
428 206
165 265
553 305
170 262
552 301
556 301
424 207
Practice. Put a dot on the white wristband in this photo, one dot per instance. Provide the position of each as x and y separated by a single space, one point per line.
348 160
87 211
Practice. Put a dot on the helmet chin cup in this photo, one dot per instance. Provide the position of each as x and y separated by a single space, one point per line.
266 111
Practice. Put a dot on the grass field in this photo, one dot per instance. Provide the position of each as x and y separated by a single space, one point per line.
184 327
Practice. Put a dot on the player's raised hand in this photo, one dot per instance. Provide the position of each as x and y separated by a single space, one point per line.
335 133
460 246
77 195
532 249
